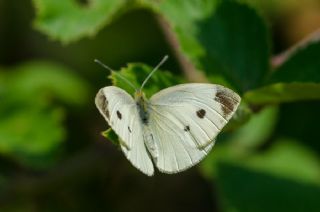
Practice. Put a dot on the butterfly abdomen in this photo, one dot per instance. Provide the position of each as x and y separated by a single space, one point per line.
150 143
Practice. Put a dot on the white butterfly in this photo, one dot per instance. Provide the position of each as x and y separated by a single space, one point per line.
175 129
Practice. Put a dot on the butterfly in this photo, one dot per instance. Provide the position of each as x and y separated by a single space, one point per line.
174 129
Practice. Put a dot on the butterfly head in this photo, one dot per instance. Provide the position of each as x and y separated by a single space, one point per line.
142 103
139 96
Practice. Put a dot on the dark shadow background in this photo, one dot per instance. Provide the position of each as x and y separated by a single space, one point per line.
92 174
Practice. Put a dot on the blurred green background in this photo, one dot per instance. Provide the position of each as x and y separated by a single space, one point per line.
53 156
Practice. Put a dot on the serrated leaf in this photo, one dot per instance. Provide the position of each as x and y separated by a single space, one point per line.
283 92
183 17
236 44
68 20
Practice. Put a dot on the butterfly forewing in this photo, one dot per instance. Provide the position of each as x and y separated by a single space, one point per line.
185 119
120 111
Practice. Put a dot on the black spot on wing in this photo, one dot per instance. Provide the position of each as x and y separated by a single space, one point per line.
227 102
187 128
129 129
104 105
144 120
201 113
119 115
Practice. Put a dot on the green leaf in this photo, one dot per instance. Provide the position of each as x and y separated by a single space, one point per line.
257 130
183 17
302 66
236 44
300 120
224 38
248 190
110 135
137 73
242 142
32 137
287 176
283 92
288 159
45 80
298 78
31 113
68 20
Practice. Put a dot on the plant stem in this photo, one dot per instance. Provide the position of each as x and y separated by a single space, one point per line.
186 66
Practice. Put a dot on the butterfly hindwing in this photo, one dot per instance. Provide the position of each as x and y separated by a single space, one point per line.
120 111
184 121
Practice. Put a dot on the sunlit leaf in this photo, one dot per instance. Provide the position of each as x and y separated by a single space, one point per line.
137 73
223 38
283 92
45 80
183 17
68 20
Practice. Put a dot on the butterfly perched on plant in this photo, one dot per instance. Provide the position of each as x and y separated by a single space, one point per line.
174 129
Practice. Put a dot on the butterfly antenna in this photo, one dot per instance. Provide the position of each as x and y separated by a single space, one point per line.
154 70
116 73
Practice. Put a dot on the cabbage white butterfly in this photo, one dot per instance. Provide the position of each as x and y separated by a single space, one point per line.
175 129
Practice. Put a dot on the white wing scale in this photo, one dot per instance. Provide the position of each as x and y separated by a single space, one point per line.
183 123
185 119
120 111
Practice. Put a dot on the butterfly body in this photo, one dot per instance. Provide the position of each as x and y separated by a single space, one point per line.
142 106
174 129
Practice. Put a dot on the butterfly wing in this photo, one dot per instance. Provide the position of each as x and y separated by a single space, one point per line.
184 121
120 111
